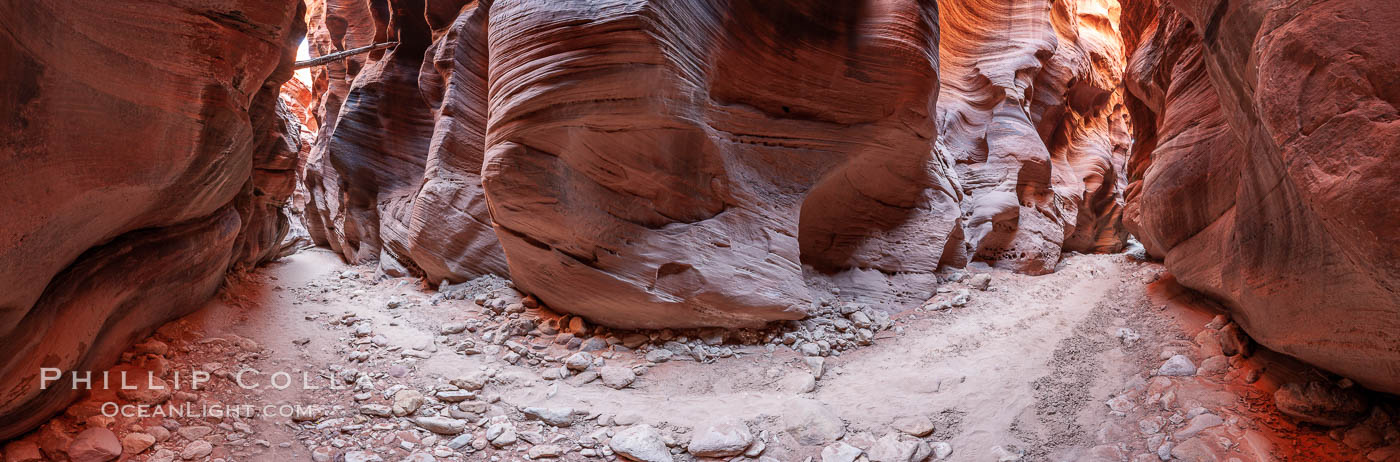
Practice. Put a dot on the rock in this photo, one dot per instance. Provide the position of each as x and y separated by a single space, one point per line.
545 451
1362 437
1194 450
455 396
1234 341
95 445
461 441
501 434
634 340
721 440
941 450
323 454
919 426
377 410
160 433
362 456
1321 403
441 425
980 281
1197 424
617 377
579 361
593 344
472 382
406 402
453 328
559 417
890 449
1177 366
811 422
798 383
22 451
640 443
659 355
1007 454
196 449
136 443
1214 365
1217 322
840 452
816 364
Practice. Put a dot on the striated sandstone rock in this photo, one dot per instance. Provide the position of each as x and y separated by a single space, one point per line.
658 163
394 174
715 163
1268 143
137 168
1031 115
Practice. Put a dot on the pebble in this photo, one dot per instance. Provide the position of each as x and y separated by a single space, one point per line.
559 417
441 425
196 450
580 361
816 364
980 281
593 344
406 402
617 377
501 434
362 456
641 443
1321 403
840 452
941 450
194 432
811 422
1198 424
724 439
919 426
136 443
659 355
545 451
95 445
1214 365
1177 366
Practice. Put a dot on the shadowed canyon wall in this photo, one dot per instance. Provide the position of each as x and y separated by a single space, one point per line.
1268 139
144 152
716 163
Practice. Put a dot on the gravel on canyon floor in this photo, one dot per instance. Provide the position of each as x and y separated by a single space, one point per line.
1103 360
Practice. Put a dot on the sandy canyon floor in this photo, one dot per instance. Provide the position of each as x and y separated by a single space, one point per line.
1059 367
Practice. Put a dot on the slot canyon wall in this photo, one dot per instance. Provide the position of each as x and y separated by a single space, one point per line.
1267 144
717 163
144 152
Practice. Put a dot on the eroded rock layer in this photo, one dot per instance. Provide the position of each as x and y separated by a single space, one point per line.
1268 141
1032 115
137 167
394 175
660 163
715 163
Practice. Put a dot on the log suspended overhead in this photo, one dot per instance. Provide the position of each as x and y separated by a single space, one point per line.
321 60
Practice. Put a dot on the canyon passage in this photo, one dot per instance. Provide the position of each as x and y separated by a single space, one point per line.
665 230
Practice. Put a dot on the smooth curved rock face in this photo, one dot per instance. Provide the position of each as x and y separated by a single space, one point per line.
657 163
1032 117
395 173
1273 145
137 169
